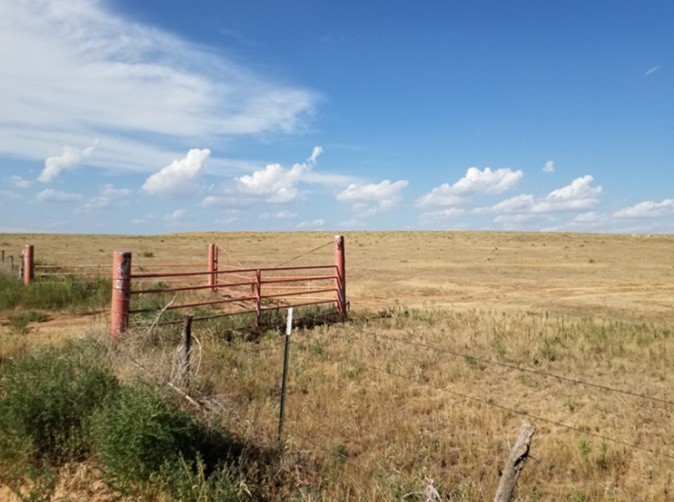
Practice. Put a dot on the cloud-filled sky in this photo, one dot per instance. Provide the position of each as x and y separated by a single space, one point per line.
118 116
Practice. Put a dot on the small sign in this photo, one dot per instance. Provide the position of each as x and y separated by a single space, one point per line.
289 324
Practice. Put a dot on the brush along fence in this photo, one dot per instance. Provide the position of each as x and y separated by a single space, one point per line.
219 292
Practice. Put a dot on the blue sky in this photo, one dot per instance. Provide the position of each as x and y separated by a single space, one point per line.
119 116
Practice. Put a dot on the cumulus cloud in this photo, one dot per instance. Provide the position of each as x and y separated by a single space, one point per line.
589 217
50 195
108 197
94 72
177 215
647 209
577 196
181 178
69 159
20 182
549 167
371 198
311 225
274 183
475 182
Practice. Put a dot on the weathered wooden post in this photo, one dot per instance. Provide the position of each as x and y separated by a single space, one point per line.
2 253
11 263
516 460
187 351
28 265
340 278
121 293
213 266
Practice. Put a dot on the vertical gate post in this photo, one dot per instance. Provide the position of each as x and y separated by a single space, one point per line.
121 293
340 266
28 265
213 266
258 298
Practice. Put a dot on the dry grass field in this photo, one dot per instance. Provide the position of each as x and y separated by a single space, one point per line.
453 339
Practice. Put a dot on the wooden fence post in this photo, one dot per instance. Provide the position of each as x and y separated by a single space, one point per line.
515 463
28 265
213 266
121 293
184 367
340 265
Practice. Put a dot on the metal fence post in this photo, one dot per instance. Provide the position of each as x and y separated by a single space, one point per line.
121 293
28 265
284 382
340 265
258 298
213 266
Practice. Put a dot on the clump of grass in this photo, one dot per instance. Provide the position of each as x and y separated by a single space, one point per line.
77 293
20 320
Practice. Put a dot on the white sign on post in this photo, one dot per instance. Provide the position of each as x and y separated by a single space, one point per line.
289 324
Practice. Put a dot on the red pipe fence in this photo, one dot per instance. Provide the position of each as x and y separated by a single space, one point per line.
255 290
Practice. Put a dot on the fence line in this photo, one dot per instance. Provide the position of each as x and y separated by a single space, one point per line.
523 369
514 411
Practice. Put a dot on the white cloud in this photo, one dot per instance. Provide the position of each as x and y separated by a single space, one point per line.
93 73
589 217
181 178
20 182
311 225
549 167
577 196
475 182
108 197
274 183
371 198
69 159
647 209
51 195
177 215
518 203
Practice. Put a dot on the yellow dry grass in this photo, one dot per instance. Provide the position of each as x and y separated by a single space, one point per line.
454 338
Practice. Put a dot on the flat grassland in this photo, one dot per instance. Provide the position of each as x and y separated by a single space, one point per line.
454 338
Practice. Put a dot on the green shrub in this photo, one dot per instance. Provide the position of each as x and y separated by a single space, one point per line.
144 441
46 400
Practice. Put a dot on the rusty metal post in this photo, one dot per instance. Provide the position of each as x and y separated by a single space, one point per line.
28 265
340 265
213 266
258 298
121 293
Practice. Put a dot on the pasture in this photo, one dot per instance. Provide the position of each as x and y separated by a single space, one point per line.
453 339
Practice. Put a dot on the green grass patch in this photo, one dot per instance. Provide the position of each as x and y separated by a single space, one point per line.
70 292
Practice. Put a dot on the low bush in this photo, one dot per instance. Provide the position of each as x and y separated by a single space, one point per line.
46 400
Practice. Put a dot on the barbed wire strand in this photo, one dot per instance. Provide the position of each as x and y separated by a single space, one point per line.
522 369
